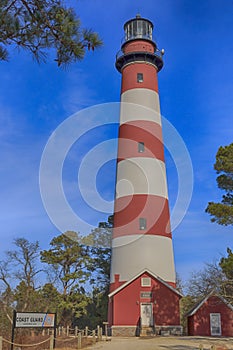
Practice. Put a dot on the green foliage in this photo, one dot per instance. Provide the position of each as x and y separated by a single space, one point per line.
78 286
6 304
72 306
224 159
97 310
99 243
186 304
5 319
222 213
26 298
226 264
39 25
49 292
49 298
69 261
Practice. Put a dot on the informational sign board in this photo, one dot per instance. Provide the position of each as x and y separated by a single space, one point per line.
34 319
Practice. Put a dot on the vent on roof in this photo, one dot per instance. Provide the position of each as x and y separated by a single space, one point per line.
146 282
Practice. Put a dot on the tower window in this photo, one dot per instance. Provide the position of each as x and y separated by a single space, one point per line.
142 223
141 147
139 77
146 282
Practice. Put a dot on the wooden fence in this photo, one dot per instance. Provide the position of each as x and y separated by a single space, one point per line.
64 334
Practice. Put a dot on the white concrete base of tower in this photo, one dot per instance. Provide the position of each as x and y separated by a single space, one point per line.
153 252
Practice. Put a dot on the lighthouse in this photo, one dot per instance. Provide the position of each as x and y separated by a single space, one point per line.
143 297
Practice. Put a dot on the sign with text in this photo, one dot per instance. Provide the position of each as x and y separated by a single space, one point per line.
34 319
145 295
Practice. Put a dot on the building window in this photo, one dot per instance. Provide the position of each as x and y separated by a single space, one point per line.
139 77
141 147
142 223
146 282
215 324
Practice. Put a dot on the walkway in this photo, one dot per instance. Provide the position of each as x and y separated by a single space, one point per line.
163 343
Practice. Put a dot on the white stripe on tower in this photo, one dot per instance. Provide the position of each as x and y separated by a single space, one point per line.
141 233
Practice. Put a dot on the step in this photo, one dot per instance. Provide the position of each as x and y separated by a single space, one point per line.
147 331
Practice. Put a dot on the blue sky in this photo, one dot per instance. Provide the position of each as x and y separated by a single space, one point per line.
196 87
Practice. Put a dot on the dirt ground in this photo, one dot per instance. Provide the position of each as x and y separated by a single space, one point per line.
164 343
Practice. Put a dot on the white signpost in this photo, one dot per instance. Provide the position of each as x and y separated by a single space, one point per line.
32 320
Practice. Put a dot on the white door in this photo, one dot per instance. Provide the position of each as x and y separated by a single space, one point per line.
215 324
146 314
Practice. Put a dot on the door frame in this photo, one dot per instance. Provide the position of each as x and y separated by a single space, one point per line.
212 325
152 318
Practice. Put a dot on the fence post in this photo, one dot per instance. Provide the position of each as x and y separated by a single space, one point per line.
106 329
51 342
1 343
79 340
75 331
67 331
93 336
86 331
98 332
101 333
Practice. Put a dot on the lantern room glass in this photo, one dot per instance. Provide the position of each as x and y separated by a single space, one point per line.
138 28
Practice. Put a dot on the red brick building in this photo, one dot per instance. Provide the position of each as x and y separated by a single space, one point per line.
145 302
212 316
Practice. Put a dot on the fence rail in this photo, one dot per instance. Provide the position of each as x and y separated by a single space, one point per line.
71 333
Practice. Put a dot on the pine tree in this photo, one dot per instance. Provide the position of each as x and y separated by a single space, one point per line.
226 264
222 213
39 25
69 261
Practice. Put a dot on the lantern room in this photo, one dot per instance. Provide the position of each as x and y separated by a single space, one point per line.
138 28
138 45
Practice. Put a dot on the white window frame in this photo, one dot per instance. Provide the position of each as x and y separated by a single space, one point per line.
140 77
212 326
142 223
145 282
141 147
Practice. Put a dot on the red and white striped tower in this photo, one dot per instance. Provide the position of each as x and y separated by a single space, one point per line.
142 237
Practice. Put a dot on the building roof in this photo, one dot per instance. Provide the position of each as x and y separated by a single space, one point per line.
198 305
138 275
